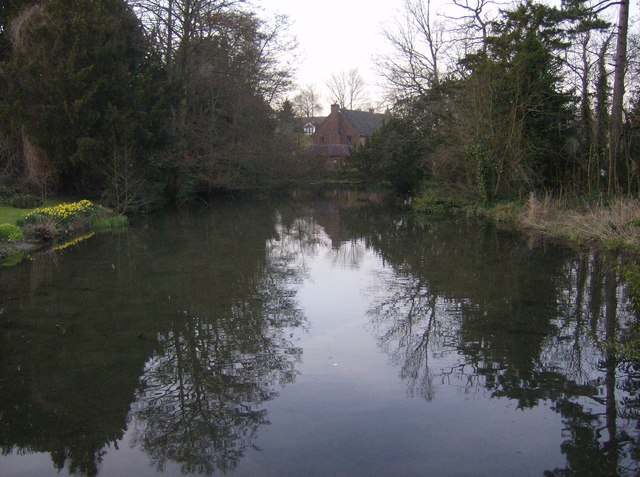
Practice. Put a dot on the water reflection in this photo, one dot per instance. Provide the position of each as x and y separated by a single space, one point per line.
202 394
181 333
192 331
485 314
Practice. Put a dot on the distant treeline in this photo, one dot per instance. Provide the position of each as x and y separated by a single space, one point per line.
141 98
505 102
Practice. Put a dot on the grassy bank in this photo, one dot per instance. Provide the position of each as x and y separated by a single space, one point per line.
610 225
613 225
55 227
10 215
602 225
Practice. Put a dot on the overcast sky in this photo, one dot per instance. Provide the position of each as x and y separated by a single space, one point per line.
339 35
335 36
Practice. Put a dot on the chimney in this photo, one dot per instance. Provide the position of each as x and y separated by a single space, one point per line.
335 108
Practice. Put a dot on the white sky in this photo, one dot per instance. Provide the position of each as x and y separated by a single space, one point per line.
335 36
339 35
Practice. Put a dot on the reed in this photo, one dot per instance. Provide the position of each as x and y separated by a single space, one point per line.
615 225
110 222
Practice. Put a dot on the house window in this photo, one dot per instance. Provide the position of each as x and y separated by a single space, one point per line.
309 129
321 139
348 139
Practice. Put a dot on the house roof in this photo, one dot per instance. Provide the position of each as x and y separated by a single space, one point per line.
329 150
316 121
365 122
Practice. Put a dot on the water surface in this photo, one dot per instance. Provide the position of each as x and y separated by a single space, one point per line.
314 337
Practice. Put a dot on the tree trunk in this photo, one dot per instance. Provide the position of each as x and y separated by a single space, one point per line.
615 130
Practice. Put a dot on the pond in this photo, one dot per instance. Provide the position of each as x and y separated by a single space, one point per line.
319 336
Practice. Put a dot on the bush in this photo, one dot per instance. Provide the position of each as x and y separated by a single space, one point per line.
393 156
42 231
10 233
5 193
24 201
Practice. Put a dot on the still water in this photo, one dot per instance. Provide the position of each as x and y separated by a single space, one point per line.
321 337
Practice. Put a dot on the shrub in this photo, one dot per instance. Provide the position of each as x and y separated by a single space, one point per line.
5 193
42 231
24 201
10 233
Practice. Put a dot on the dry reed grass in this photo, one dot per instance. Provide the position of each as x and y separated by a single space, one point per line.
616 225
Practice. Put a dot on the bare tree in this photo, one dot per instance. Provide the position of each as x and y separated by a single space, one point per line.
474 21
228 68
347 89
307 102
355 89
338 88
413 66
276 57
467 30
178 25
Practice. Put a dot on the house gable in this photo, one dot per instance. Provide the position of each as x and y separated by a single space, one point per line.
342 132
347 127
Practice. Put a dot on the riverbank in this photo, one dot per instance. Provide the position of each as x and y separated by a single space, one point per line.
600 226
612 224
26 231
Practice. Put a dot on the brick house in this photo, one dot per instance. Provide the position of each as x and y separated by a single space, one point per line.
341 132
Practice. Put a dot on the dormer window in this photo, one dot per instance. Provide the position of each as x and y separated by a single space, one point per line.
309 129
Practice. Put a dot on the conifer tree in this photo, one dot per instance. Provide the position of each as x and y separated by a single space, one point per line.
78 86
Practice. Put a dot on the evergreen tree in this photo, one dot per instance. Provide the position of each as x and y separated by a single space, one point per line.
79 87
528 115
394 155
9 10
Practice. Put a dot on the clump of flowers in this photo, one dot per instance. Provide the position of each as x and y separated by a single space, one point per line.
61 214
49 222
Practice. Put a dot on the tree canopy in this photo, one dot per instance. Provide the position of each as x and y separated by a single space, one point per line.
528 104
111 97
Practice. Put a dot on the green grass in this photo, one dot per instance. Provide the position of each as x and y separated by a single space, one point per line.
433 203
110 222
9 215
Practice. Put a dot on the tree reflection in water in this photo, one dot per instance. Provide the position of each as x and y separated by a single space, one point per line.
500 325
202 395
202 305
191 326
